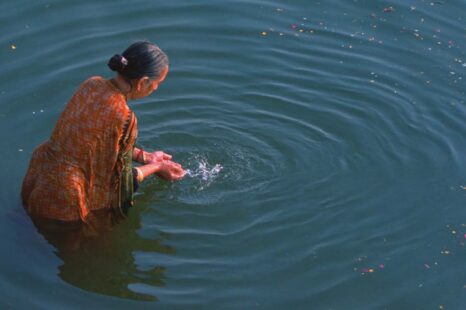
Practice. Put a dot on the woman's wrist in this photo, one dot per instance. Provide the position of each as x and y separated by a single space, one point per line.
140 155
147 170
139 175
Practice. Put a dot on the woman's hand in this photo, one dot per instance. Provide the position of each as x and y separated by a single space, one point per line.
169 170
158 156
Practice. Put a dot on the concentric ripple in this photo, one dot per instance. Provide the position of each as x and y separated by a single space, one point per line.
322 139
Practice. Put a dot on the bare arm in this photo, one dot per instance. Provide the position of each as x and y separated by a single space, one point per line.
158 163
144 157
167 170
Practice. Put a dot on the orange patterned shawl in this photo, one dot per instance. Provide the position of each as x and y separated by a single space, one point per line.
79 168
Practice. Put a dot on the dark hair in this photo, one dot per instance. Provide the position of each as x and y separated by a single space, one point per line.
142 58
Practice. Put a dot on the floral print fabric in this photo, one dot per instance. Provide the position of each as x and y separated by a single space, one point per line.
78 169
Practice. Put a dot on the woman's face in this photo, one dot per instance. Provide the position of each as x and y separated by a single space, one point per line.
146 86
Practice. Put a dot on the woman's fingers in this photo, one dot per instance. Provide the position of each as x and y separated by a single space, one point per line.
175 164
179 175
171 170
164 155
178 171
160 156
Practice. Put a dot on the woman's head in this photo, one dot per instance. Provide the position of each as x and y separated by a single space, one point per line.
142 62
140 59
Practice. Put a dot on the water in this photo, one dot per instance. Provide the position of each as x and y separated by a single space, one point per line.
325 143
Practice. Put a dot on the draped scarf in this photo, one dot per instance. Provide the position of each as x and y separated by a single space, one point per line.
84 166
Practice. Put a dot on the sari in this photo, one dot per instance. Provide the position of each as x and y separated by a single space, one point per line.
86 165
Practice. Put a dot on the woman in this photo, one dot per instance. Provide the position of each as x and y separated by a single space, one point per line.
86 165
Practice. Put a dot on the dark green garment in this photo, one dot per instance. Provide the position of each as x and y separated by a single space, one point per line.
126 181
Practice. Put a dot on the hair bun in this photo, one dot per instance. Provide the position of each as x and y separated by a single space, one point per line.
117 63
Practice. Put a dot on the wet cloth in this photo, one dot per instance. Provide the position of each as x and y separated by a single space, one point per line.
86 163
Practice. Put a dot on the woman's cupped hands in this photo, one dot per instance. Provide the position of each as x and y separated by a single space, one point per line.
168 169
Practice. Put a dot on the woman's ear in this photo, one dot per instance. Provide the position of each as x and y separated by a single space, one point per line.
163 75
140 83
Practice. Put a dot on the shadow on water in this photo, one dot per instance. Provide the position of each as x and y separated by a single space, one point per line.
99 256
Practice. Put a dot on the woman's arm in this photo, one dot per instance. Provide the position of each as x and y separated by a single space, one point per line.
143 157
140 156
167 169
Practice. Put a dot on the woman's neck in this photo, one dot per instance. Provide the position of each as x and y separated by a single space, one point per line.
122 85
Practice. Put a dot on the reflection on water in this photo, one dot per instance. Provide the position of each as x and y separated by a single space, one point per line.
339 126
99 256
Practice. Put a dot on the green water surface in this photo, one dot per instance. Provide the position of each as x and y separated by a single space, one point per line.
339 127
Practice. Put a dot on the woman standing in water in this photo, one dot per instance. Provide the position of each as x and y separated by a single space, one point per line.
86 165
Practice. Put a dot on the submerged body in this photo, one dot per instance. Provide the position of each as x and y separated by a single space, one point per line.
85 165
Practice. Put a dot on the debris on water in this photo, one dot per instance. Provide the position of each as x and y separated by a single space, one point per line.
13 47
389 9
445 252
427 266
20 150
368 269
263 33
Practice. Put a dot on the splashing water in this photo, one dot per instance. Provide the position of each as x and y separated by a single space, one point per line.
203 172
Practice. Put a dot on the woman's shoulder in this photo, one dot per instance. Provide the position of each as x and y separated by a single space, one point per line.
96 93
100 88
90 85
94 81
106 96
